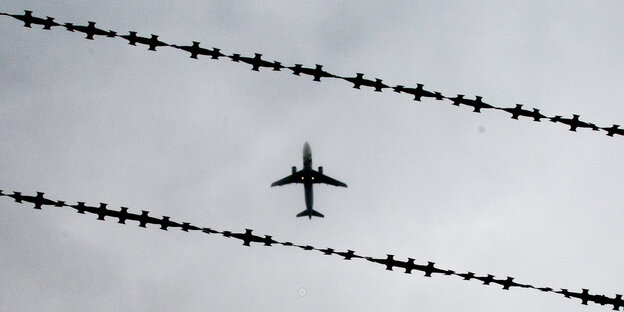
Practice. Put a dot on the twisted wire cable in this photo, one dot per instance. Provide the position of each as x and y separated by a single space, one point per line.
317 72
248 238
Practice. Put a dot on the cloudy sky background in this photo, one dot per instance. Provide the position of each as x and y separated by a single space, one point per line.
202 140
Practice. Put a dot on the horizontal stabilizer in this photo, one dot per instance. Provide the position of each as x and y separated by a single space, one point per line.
310 213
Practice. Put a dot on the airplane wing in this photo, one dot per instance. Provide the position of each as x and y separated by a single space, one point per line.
293 178
321 178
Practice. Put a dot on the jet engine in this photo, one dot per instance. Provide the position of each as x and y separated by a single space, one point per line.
294 169
320 169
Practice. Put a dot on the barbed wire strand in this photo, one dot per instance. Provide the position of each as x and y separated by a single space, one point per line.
317 73
248 238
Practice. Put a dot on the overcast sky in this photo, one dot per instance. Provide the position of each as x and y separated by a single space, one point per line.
202 140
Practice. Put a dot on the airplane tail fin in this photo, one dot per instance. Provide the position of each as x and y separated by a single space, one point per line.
310 213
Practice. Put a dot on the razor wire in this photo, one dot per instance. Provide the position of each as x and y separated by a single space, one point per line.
248 238
317 73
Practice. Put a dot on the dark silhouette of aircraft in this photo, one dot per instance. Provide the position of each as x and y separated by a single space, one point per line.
418 92
195 50
152 42
28 20
308 177
614 130
38 200
518 111
317 72
90 30
477 103
358 81
574 123
256 62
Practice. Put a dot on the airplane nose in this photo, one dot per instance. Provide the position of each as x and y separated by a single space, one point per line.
306 148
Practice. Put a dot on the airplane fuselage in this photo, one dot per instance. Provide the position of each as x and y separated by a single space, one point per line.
307 177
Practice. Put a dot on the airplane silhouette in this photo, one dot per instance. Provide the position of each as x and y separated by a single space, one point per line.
308 177
90 30
317 72
614 130
418 92
358 81
574 123
28 19
477 103
518 111
152 42
195 50
256 62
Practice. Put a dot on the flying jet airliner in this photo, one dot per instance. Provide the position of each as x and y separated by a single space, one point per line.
308 176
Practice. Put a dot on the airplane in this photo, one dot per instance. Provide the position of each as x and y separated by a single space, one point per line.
419 92
477 103
90 30
152 42
317 72
308 177
195 50
28 19
256 62
358 81
574 123
518 111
